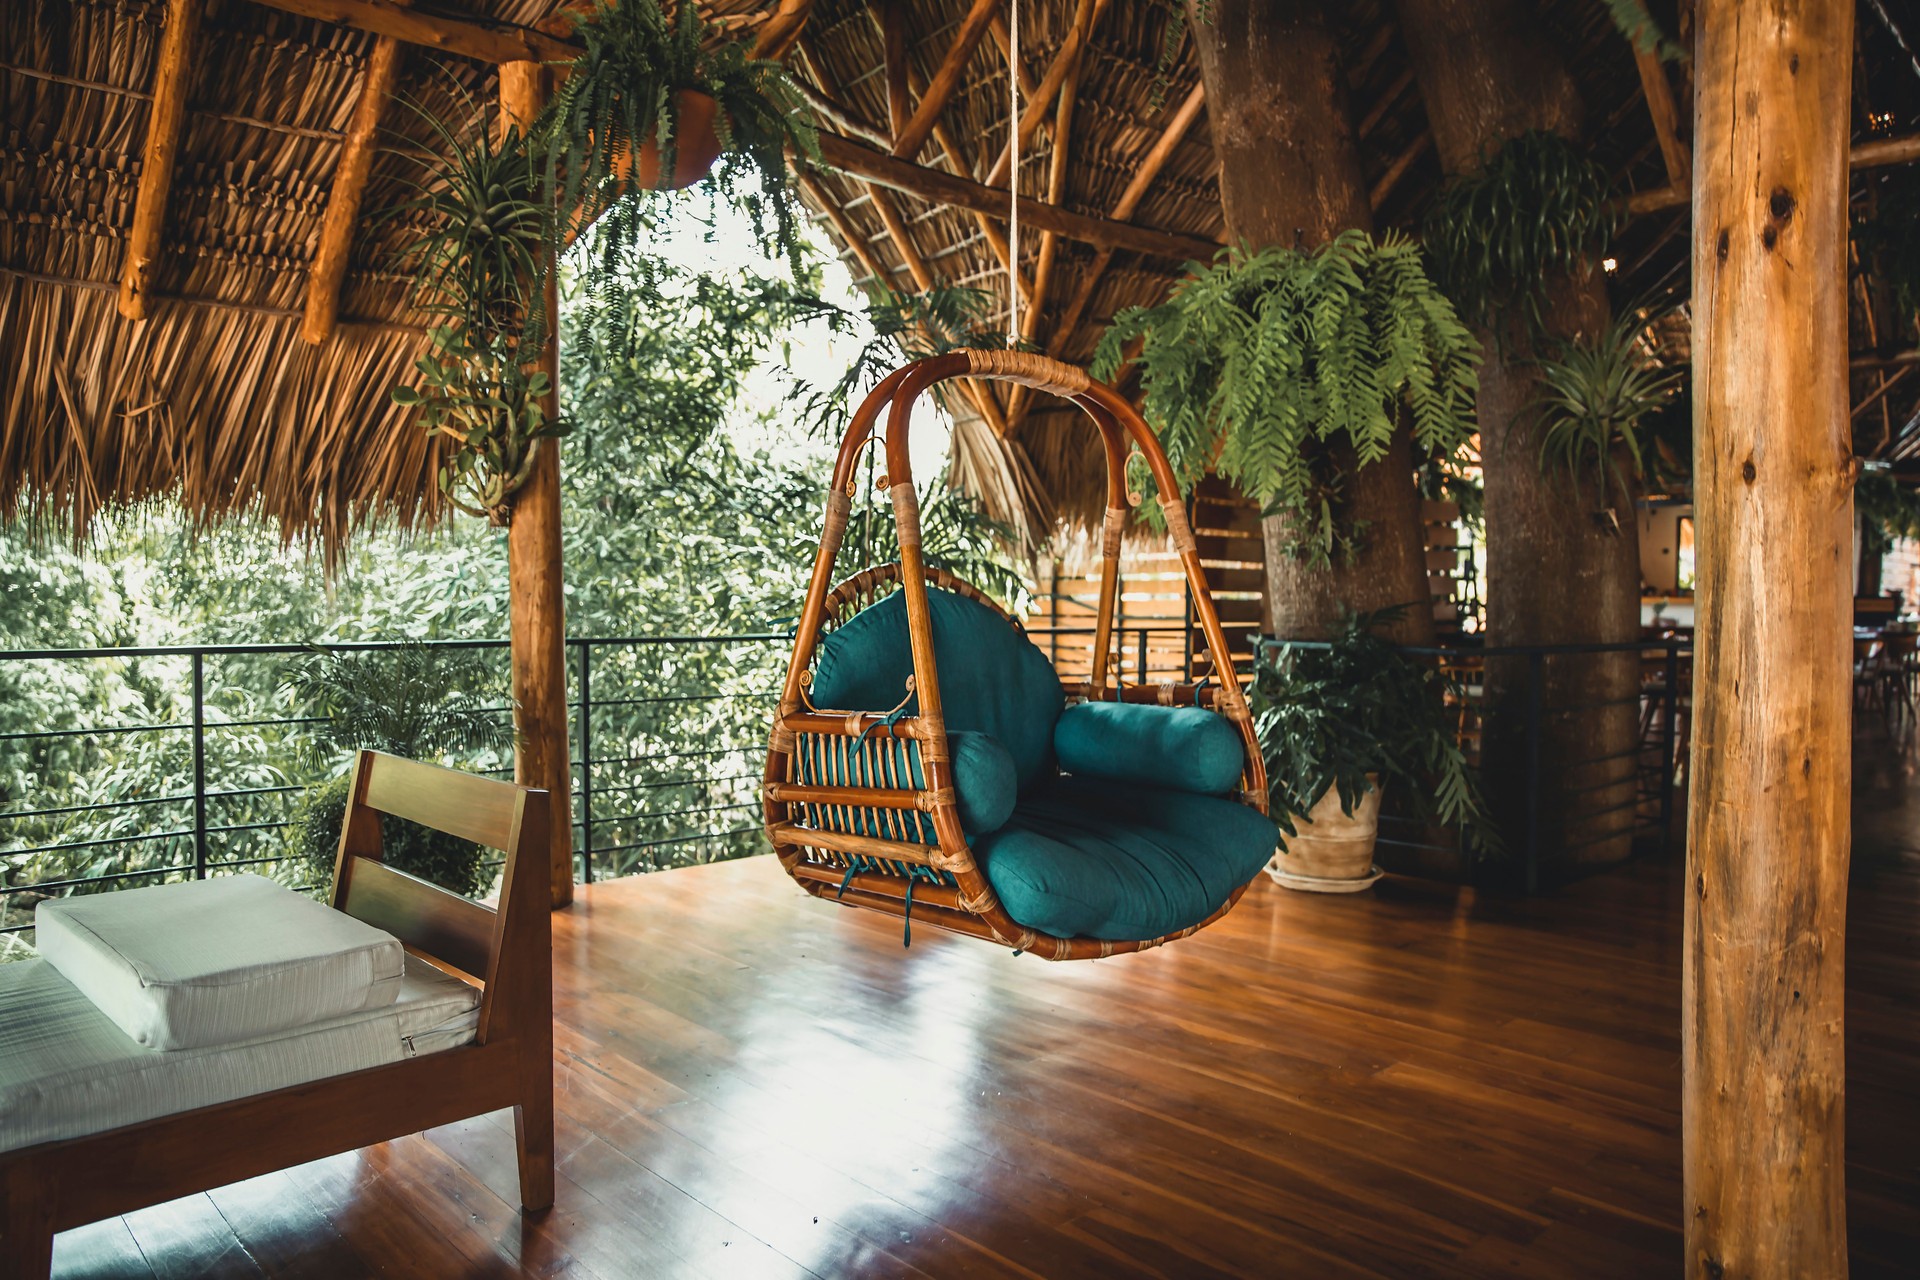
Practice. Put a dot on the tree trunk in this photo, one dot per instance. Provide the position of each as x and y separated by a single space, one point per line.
536 572
1762 1073
1290 174
1563 565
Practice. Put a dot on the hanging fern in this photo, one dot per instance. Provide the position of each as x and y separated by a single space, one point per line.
1593 397
1888 237
1256 365
1889 511
619 94
1537 208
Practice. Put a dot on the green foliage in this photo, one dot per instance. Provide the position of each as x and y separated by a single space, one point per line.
618 94
415 701
1592 400
313 843
1889 511
1537 208
1327 716
479 264
1888 236
1631 19
1256 365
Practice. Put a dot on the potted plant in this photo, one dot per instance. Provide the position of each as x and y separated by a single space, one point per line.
416 701
653 101
1340 721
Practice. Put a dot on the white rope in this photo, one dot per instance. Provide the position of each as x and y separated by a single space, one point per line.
1013 174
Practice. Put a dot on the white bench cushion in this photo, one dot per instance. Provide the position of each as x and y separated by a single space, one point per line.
211 962
66 1071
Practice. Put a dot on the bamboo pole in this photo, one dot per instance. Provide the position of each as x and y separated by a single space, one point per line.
1123 210
894 59
951 189
536 603
1666 117
165 121
1763 1093
1040 102
328 270
909 138
1019 398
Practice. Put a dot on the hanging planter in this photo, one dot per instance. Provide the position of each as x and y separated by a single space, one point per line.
694 145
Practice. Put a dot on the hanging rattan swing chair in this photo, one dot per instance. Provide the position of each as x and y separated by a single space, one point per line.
927 762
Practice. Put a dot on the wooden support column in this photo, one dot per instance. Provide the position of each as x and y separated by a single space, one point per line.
329 267
1768 837
536 602
165 122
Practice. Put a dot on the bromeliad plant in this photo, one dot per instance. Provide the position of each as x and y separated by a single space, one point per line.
1260 364
1593 399
480 268
1341 715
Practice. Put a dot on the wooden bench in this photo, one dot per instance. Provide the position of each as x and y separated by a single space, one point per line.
505 950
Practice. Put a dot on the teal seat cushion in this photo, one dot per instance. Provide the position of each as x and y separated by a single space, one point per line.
984 785
1119 861
993 679
1185 748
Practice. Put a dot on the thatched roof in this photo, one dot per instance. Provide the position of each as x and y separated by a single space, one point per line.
215 397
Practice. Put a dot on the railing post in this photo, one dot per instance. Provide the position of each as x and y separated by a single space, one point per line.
1140 671
199 764
586 761
1669 739
1536 664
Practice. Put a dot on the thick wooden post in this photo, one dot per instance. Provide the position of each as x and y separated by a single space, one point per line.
535 573
1768 837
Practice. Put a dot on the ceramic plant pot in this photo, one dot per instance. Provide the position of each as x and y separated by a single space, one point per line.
1334 852
696 145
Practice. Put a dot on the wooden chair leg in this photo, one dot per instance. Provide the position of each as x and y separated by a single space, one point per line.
533 1133
26 1224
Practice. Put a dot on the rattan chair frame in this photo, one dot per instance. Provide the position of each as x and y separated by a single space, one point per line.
866 845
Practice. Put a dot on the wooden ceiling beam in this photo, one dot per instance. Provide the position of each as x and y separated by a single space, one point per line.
1864 155
486 42
1398 170
165 123
811 188
951 189
328 270
895 59
1144 176
908 140
1019 397
1040 102
1666 117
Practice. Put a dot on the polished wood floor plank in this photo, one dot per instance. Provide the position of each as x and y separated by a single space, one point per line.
1419 1081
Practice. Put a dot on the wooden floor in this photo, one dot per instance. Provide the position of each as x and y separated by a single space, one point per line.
1412 1082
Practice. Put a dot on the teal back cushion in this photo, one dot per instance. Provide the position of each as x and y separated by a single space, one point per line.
993 680
1187 748
983 781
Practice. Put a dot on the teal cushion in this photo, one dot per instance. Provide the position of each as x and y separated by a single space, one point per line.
1186 748
993 679
984 786
1122 862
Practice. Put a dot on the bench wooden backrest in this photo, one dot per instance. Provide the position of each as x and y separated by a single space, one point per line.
508 947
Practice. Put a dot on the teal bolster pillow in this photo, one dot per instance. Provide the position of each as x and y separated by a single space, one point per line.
984 784
1185 748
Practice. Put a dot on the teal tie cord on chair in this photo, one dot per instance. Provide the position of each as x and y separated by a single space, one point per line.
1073 821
